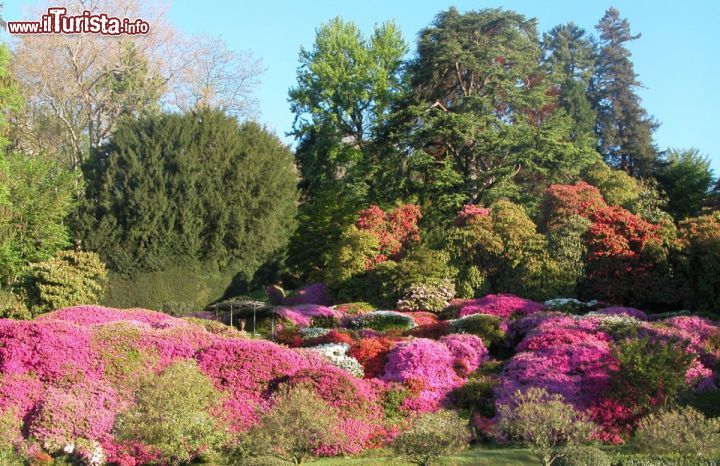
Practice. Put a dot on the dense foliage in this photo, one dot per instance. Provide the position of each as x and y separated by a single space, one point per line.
195 188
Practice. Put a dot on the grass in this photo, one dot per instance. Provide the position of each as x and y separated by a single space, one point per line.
475 456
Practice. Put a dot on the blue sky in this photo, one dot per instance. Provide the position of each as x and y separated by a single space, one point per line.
677 58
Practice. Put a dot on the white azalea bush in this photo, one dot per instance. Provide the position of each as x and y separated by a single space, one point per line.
336 353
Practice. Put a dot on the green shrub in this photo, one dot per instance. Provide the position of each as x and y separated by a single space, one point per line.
216 328
477 395
697 262
171 414
355 308
392 402
431 437
125 365
299 422
432 296
649 375
382 321
547 424
707 402
68 279
10 437
355 252
584 456
485 326
420 266
13 307
685 432
178 290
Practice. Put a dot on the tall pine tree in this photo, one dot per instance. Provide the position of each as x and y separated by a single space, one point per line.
624 128
570 60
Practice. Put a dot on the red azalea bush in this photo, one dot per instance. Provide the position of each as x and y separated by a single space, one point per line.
394 230
618 266
563 201
422 318
333 336
372 353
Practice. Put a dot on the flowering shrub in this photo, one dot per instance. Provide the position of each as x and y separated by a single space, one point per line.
394 230
500 305
382 321
423 318
564 201
426 364
468 352
336 353
619 266
304 315
563 355
329 336
372 353
470 212
430 296
66 416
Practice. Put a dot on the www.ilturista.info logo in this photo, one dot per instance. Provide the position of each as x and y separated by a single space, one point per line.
56 21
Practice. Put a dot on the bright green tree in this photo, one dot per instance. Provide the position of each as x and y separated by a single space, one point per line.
346 86
36 196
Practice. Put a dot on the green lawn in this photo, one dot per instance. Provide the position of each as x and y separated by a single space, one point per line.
474 456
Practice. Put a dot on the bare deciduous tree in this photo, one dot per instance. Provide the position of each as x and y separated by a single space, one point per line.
76 86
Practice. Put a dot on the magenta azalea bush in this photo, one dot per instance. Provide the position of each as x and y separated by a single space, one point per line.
500 305
69 373
302 315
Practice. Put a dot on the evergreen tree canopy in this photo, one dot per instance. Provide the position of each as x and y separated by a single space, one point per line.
482 122
686 178
171 189
570 61
624 128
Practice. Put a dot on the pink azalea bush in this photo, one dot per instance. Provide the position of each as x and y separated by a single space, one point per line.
500 305
432 369
303 314
468 352
427 364
69 373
